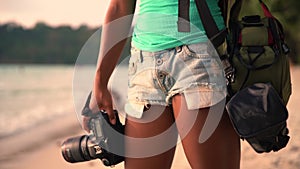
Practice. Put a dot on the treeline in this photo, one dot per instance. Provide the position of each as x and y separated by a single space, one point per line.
42 44
50 45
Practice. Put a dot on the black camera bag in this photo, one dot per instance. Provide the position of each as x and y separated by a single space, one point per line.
259 116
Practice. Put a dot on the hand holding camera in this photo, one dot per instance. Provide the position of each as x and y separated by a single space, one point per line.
105 142
101 101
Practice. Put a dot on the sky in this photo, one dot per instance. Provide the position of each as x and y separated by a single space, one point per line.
53 12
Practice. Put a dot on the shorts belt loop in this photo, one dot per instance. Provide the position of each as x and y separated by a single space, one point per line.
141 56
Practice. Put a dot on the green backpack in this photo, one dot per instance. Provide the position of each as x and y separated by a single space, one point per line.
257 48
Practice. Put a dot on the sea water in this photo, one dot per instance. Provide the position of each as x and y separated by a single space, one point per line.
33 94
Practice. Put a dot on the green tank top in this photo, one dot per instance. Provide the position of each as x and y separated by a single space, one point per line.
156 25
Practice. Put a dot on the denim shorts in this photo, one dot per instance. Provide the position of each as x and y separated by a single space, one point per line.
192 70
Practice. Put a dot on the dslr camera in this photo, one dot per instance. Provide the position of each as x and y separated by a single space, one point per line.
104 140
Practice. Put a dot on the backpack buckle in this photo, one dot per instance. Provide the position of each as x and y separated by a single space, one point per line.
229 74
228 70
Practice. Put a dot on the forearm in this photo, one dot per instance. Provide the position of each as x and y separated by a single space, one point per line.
115 31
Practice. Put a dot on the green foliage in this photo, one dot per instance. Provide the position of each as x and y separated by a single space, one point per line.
41 44
44 44
288 13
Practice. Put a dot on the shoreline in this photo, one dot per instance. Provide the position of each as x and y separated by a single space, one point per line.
21 131
32 139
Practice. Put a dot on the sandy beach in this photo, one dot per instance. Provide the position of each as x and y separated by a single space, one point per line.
39 147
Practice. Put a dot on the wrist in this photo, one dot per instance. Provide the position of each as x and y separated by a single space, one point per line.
101 80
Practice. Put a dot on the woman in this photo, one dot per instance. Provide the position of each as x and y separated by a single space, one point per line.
176 84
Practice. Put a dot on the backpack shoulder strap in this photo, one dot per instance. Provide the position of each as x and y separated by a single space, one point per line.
223 4
216 36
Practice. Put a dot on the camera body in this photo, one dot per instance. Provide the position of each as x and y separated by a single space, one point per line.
104 139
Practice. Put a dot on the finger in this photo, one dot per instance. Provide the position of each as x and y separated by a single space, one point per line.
93 104
111 116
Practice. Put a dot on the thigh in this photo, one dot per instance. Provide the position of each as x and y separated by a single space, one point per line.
221 148
151 140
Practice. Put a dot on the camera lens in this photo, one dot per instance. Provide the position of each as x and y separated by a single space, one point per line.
75 149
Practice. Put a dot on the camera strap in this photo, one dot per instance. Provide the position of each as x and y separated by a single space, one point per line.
86 111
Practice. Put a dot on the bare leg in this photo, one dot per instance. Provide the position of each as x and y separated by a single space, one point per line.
155 121
220 151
